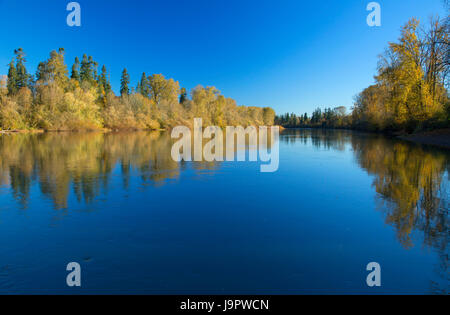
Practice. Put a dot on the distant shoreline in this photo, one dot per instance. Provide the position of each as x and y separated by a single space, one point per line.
438 137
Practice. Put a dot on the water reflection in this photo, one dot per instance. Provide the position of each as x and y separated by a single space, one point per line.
320 138
412 184
411 181
83 162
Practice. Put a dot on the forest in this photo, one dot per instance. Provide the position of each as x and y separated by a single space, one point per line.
55 100
410 91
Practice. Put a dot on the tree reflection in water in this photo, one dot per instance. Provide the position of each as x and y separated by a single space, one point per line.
84 160
412 184
411 181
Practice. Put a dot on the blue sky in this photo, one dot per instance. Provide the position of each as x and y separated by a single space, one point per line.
291 55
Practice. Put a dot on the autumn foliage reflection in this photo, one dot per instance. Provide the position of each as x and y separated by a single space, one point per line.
411 182
83 162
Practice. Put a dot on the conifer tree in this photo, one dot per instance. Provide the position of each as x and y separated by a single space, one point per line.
76 70
143 86
85 70
183 96
93 66
12 79
22 76
41 72
103 80
124 83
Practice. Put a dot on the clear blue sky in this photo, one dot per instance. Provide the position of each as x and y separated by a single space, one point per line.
292 55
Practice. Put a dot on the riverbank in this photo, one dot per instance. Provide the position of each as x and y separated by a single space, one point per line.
32 131
439 137
21 131
88 130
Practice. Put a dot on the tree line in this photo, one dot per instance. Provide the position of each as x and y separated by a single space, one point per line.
54 99
410 91
329 117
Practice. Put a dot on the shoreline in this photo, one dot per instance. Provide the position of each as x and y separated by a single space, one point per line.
439 138
41 131
31 131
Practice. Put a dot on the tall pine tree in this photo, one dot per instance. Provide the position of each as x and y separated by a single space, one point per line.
124 83
76 70
12 79
41 73
86 71
183 96
93 65
143 86
103 81
22 77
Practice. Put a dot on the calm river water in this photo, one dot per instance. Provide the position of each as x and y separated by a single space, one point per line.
138 222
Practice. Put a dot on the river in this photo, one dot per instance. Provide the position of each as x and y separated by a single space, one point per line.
138 222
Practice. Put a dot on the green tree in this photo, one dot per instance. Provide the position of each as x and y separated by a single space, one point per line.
22 77
183 96
41 72
124 83
103 80
94 66
12 79
88 70
76 70
143 86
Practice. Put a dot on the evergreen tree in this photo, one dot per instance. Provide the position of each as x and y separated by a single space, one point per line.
22 76
183 96
93 66
85 70
76 70
103 80
143 86
12 79
124 83
41 72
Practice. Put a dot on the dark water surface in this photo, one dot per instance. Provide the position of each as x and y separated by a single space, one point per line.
137 222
